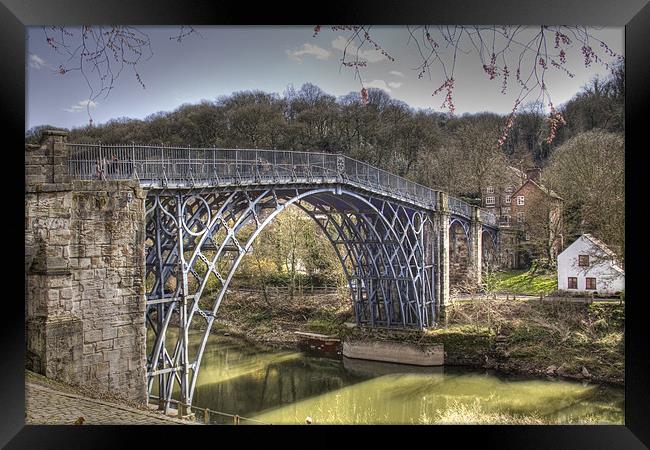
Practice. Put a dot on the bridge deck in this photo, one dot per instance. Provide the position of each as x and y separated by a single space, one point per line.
184 167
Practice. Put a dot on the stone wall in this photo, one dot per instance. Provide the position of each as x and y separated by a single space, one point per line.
508 248
459 257
85 304
441 223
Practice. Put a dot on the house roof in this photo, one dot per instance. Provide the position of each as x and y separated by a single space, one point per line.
541 187
602 246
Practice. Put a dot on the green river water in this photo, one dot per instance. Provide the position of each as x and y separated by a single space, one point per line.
286 387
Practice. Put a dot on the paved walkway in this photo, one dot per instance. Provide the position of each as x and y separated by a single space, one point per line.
45 405
464 297
500 296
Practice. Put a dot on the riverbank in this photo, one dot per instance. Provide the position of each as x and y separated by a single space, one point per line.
274 320
573 341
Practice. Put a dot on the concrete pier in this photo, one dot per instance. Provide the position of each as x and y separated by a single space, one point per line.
395 352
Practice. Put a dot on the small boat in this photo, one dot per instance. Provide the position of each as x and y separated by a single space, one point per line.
320 343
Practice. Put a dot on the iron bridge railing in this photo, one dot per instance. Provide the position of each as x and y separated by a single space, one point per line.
161 166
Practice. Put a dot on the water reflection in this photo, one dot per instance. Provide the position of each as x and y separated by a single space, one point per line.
286 387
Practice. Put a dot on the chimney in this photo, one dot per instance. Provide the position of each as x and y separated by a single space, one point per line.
532 173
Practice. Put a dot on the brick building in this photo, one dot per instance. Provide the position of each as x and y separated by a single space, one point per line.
531 211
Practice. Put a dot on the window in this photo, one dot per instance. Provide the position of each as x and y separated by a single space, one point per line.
520 200
489 200
590 284
508 199
509 189
583 260
573 283
505 210
490 190
520 217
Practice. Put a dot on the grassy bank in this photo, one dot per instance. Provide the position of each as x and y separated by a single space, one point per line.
580 341
273 320
576 341
475 414
524 282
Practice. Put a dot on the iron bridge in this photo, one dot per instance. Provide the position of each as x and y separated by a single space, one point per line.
206 206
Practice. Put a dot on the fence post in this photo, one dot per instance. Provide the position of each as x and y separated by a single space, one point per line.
340 166
132 160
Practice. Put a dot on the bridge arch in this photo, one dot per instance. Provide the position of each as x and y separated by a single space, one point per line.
489 246
460 241
199 236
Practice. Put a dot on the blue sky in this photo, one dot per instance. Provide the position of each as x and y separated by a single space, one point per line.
222 60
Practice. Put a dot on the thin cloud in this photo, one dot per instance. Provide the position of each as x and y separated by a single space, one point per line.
381 84
309 50
81 106
395 84
370 55
36 62
397 73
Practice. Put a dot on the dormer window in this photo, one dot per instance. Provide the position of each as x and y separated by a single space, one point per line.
508 199
490 190
583 260
489 200
520 200
509 189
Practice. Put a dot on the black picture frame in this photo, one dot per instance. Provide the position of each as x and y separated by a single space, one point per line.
15 15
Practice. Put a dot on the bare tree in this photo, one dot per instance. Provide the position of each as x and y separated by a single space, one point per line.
588 171
481 160
543 227
504 51
101 53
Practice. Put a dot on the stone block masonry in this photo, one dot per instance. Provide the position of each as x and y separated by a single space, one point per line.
85 268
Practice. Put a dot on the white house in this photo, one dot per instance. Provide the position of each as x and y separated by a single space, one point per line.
589 265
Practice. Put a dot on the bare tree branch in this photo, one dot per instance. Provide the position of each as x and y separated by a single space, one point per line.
101 53
495 46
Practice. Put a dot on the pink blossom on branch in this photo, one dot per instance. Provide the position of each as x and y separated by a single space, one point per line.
364 96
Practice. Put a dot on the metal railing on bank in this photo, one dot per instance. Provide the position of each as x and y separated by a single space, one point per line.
285 290
205 415
162 166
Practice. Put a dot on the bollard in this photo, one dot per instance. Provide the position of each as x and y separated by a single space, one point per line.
206 416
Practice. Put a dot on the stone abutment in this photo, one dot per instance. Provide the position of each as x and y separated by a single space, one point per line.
84 270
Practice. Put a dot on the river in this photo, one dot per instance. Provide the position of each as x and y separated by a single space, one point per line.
287 387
